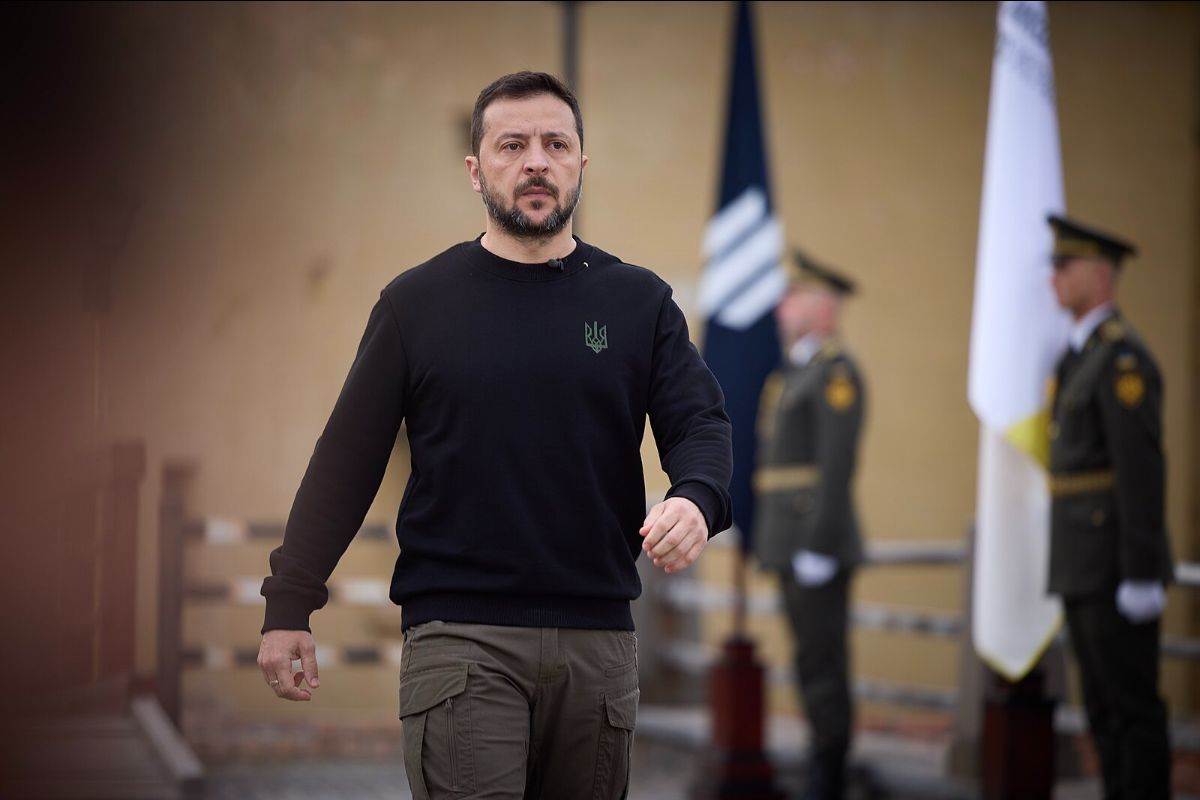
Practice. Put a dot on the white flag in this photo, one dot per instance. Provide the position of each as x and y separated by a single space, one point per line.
1018 333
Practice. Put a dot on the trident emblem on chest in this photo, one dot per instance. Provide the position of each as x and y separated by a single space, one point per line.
595 337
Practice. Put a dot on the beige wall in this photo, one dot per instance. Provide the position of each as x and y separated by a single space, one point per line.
296 157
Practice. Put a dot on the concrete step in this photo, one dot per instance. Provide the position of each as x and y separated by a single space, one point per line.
99 756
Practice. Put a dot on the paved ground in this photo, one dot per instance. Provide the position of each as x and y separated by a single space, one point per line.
658 776
109 758
661 772
667 766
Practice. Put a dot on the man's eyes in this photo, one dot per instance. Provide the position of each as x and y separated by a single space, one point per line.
513 147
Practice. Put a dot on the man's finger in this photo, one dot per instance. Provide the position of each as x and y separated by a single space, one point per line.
269 665
651 518
690 554
663 522
279 677
289 687
683 554
677 557
669 541
695 552
294 693
660 529
308 663
268 676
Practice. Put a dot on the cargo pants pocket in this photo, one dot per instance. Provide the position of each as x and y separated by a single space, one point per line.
616 747
438 753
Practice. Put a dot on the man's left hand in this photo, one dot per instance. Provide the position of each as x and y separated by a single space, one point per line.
675 532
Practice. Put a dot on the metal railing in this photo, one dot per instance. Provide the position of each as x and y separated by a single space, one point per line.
687 595
192 586
682 595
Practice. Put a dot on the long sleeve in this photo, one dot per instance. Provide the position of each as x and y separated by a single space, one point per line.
839 417
343 475
1130 399
687 415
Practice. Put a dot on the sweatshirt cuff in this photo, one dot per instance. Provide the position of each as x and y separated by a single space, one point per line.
705 499
286 613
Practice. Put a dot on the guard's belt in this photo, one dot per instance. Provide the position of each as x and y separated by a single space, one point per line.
781 477
1072 483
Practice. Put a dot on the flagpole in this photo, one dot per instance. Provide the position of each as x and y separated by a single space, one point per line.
739 288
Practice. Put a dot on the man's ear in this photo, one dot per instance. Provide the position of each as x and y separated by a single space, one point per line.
473 171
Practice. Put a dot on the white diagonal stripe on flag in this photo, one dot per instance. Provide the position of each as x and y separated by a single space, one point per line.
733 220
745 309
726 278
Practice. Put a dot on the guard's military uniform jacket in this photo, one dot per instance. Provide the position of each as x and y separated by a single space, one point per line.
1106 465
808 436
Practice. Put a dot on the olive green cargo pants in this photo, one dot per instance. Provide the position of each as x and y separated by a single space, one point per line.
509 713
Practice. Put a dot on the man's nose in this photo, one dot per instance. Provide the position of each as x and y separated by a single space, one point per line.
536 161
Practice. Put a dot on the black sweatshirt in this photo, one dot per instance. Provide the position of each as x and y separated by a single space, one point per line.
525 389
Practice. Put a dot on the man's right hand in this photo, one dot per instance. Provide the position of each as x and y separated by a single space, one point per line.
275 656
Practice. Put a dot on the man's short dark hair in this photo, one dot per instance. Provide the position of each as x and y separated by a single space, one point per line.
516 86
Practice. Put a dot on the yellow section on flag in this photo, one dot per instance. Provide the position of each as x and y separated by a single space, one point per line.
1032 437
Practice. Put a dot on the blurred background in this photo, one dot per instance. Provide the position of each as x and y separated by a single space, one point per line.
202 201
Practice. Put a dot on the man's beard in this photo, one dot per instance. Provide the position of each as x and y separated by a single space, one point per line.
513 221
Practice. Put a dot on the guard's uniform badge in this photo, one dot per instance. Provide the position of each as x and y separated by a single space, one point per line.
840 392
1130 388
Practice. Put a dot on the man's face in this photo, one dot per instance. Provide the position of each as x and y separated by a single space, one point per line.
1077 281
530 169
802 310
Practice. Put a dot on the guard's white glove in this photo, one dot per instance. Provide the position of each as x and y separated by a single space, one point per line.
1141 601
813 569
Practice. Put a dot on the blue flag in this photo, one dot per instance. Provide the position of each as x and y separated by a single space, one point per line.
742 278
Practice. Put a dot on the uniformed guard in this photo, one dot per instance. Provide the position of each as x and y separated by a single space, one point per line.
1109 553
806 526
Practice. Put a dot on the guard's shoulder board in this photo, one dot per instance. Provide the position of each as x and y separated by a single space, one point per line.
831 349
1113 331
1126 360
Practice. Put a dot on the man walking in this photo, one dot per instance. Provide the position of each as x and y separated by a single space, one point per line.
525 364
